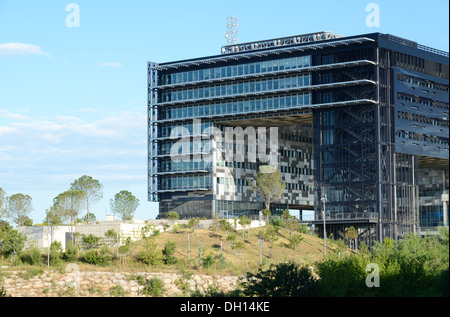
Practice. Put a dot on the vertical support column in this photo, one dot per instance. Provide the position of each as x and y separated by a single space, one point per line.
152 132
444 199
379 147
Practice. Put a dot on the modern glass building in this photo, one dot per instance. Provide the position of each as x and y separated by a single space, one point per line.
362 120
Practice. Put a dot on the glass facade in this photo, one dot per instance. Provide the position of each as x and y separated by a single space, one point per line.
234 71
239 88
233 107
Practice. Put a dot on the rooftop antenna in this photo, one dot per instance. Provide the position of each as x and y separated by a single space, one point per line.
232 30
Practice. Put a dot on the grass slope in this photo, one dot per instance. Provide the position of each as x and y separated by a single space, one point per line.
235 262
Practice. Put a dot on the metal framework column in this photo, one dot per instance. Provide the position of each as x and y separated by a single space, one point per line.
152 132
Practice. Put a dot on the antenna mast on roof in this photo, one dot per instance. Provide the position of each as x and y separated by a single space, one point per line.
232 30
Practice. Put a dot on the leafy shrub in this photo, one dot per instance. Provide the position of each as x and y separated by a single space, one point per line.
278 222
117 291
150 254
168 253
100 257
3 292
71 253
154 287
56 253
281 280
90 242
208 261
32 256
225 225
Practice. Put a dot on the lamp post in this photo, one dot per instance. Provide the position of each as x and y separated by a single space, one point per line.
324 200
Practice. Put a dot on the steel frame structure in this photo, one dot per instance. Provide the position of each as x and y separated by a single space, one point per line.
369 183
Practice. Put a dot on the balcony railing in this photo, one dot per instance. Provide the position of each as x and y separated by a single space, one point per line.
355 216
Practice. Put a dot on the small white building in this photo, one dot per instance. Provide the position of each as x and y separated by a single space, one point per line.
43 236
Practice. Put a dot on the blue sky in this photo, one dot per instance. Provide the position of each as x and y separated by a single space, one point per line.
73 100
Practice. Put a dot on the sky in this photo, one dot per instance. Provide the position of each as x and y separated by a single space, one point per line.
73 83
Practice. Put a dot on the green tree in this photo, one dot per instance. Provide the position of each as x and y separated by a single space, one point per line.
56 253
270 234
150 254
168 253
193 224
286 214
53 217
68 205
71 253
18 208
92 188
351 234
294 240
154 287
13 241
266 213
90 241
244 221
281 280
124 205
268 184
173 215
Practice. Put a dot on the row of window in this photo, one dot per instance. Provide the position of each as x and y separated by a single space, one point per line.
184 147
422 119
421 137
422 101
420 65
235 88
254 166
296 170
183 129
235 70
421 82
297 138
244 183
235 106
183 165
181 182
296 154
234 164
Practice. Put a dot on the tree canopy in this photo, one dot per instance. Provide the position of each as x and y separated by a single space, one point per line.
92 188
18 208
124 204
268 184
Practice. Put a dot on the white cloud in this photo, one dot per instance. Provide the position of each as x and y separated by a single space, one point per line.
111 64
10 115
14 49
47 152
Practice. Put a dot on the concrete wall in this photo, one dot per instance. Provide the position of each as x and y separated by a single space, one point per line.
40 236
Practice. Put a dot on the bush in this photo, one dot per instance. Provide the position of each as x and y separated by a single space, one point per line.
225 225
150 254
207 261
100 257
168 253
281 280
32 256
56 253
71 253
154 287
91 241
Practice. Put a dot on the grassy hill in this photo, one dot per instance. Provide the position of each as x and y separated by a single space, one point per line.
224 259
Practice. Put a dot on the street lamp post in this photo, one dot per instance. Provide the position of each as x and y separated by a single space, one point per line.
324 200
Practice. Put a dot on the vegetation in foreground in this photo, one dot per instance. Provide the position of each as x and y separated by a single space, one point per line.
412 266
